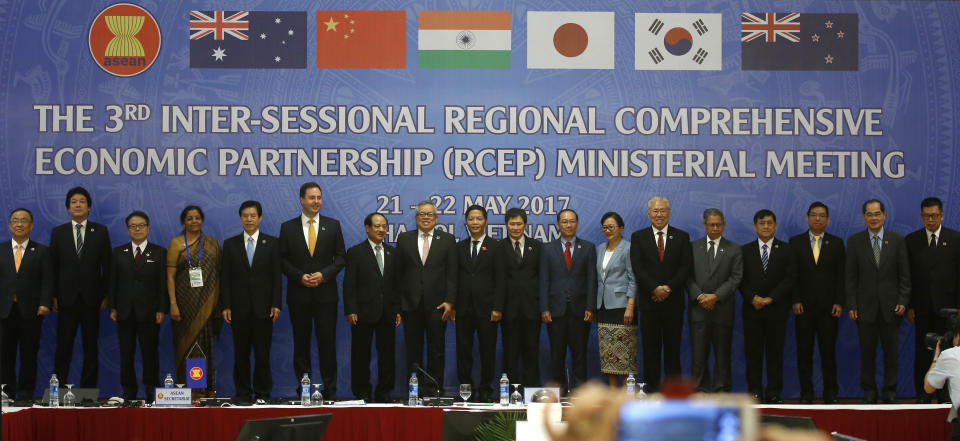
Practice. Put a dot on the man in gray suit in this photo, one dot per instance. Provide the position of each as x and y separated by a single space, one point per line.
717 270
878 290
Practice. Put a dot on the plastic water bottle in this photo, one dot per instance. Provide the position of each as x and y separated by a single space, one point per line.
168 382
413 392
504 390
631 384
305 390
54 391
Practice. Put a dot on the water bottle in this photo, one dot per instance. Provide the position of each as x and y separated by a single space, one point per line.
305 390
413 392
504 390
631 385
168 382
54 391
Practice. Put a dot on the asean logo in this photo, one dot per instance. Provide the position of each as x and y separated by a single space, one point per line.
160 395
196 373
124 39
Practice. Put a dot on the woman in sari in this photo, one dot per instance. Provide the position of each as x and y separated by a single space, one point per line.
193 269
616 327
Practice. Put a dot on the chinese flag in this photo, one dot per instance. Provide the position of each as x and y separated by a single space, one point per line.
361 40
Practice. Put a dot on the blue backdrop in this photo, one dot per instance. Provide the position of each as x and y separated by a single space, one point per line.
904 78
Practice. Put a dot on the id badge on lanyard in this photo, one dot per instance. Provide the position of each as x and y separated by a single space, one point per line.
196 278
196 274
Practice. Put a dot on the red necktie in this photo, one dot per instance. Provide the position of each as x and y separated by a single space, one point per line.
136 259
567 256
660 244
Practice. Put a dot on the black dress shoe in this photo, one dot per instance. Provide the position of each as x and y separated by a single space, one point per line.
774 399
870 398
889 399
806 400
830 400
925 399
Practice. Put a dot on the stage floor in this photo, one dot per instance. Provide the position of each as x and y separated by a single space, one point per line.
906 422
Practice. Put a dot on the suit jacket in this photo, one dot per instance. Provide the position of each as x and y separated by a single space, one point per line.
776 282
722 278
875 291
475 279
819 283
650 272
518 283
82 276
33 285
433 282
934 273
616 284
328 258
251 289
366 292
138 290
557 283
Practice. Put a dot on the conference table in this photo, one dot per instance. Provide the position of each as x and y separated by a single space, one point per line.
396 422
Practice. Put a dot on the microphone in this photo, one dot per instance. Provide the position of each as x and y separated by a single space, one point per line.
416 367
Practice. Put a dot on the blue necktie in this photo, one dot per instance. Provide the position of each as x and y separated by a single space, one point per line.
250 251
764 257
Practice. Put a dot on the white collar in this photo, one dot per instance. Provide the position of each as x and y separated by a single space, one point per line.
143 246
481 239
421 233
374 246
768 243
934 232
13 244
255 236
75 223
304 219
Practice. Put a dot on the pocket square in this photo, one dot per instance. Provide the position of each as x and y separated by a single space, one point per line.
150 261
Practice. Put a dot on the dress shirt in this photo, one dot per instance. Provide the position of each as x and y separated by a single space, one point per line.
23 246
420 236
930 233
513 247
304 221
256 238
83 232
142 246
665 235
769 245
716 245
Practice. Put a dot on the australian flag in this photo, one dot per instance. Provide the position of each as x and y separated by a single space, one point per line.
797 41
248 39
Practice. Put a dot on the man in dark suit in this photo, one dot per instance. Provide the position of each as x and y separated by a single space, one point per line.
137 298
817 297
312 252
26 296
428 287
80 252
250 296
475 312
769 272
878 290
372 306
568 297
717 271
934 253
517 274
662 263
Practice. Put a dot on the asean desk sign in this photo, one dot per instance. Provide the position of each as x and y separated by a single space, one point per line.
196 373
173 397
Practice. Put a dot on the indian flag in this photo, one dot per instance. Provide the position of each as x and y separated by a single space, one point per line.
464 40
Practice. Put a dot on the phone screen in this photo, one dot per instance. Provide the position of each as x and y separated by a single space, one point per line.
677 420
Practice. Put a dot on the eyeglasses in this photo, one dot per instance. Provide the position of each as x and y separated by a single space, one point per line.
20 222
137 226
568 222
608 227
931 216
426 214
873 214
818 215
659 211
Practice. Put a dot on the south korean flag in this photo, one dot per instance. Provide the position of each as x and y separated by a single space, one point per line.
678 42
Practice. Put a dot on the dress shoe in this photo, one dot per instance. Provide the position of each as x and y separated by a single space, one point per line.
830 400
774 399
925 399
806 400
870 398
889 399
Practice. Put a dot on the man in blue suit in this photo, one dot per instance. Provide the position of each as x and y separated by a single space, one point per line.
568 292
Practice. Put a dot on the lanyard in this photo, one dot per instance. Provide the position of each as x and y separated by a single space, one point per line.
186 246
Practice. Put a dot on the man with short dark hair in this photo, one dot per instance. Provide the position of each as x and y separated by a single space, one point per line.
817 300
250 296
372 306
138 300
475 311
80 252
26 297
312 253
934 253
878 290
767 288
568 297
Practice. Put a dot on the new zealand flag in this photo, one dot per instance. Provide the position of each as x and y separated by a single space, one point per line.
795 41
248 39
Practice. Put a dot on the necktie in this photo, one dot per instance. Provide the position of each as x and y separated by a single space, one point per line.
79 238
426 248
136 257
250 251
312 239
516 249
710 253
876 250
379 258
933 241
764 258
816 249
660 244
473 254
18 257
567 257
